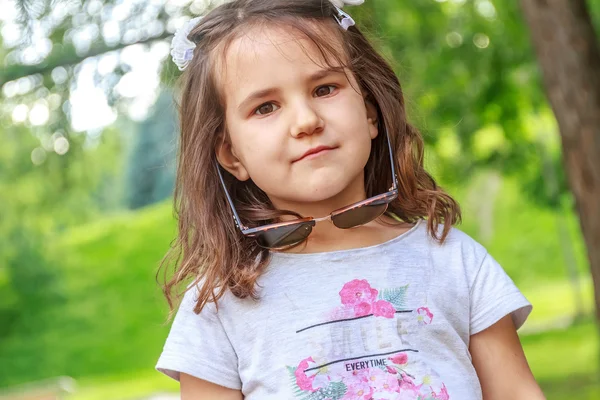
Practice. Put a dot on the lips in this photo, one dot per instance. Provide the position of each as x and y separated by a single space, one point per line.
314 150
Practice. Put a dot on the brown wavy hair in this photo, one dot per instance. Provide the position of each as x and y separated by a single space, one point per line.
209 249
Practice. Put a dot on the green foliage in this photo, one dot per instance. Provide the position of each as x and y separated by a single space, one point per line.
333 391
130 385
565 361
38 201
394 296
113 316
292 374
523 237
34 279
468 70
151 164
473 88
35 284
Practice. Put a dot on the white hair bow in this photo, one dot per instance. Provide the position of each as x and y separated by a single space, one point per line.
342 3
182 49
342 18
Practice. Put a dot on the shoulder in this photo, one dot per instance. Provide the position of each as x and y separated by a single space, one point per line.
456 241
196 343
210 310
459 252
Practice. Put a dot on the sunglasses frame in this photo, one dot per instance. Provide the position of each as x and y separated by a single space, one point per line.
388 197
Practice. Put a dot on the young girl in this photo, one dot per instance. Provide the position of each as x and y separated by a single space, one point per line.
293 131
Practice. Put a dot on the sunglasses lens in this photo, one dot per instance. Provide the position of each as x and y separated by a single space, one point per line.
284 236
360 215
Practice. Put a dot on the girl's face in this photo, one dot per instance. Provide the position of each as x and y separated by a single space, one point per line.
299 130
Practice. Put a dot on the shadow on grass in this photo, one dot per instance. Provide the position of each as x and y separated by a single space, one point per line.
566 361
581 386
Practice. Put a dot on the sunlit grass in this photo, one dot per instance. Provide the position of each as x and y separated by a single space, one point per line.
555 301
566 361
125 386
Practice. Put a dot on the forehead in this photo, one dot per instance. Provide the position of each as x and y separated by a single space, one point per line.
269 56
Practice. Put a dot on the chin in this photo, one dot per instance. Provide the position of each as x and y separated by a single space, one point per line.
325 185
323 190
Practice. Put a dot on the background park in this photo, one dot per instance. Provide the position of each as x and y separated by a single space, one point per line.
506 94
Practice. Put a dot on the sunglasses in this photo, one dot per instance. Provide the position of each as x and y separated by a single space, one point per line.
290 233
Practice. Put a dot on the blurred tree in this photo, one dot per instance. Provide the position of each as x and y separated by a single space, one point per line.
568 53
151 164
466 66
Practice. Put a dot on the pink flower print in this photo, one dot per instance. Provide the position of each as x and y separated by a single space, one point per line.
343 312
424 316
362 309
391 370
303 381
386 383
358 291
358 390
379 379
400 359
383 308
407 385
442 395
361 375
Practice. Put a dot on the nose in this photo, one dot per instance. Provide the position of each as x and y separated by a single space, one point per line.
307 120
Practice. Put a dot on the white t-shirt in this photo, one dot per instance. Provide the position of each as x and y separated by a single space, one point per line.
390 321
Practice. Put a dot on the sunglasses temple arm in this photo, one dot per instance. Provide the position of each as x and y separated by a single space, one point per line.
394 177
236 217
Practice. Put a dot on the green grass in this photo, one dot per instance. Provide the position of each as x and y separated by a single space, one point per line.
555 301
113 318
525 239
566 361
124 386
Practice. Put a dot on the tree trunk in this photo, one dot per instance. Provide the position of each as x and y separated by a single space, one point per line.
569 57
564 238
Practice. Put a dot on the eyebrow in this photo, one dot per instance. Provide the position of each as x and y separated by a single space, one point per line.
323 73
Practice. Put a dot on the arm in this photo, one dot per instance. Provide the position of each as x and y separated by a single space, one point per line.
193 388
501 364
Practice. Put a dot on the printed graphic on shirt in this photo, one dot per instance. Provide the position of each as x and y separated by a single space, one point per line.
363 351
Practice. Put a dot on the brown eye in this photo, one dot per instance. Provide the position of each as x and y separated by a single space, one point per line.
324 90
266 108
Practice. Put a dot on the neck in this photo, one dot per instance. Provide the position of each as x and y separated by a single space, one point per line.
353 193
327 237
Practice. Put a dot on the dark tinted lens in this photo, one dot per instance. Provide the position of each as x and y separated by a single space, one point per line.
284 235
360 215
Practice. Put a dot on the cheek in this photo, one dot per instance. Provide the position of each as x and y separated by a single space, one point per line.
258 150
361 152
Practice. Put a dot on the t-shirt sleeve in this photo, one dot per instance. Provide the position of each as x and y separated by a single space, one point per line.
198 345
493 296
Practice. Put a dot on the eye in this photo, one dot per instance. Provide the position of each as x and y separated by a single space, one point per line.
266 108
324 90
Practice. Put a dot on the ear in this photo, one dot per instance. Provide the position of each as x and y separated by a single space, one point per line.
228 159
372 117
